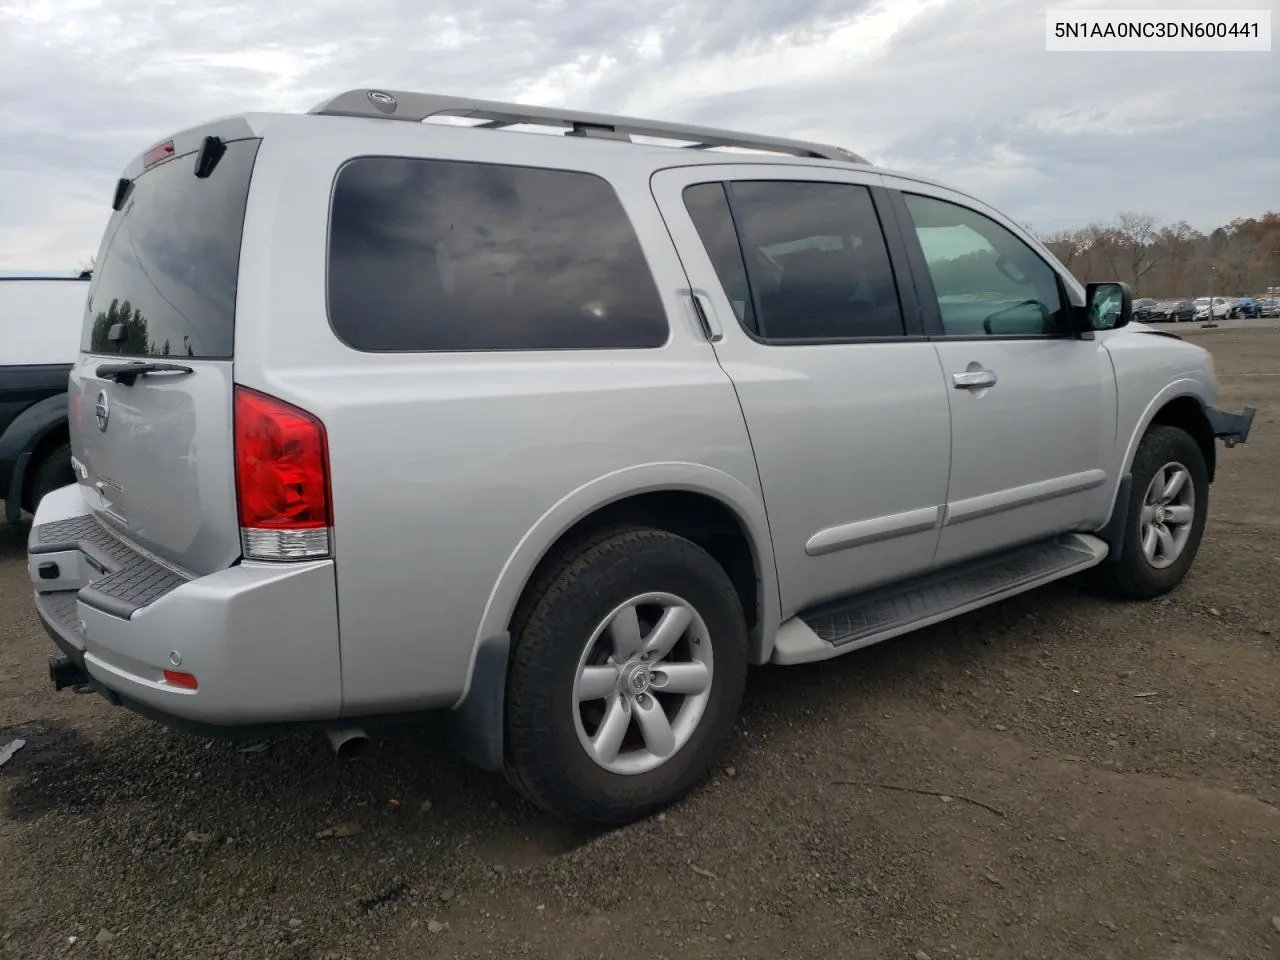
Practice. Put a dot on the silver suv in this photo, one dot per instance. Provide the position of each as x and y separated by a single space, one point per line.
375 417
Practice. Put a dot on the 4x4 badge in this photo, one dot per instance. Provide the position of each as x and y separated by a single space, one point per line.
102 410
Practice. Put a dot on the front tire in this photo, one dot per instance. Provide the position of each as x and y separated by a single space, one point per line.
1168 505
628 667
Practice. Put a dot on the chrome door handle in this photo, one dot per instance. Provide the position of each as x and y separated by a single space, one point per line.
706 314
974 379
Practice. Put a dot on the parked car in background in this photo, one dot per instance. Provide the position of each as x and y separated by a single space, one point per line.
559 434
1180 311
40 320
1268 307
1147 310
1247 307
1219 309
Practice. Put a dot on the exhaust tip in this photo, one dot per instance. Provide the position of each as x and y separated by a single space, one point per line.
65 672
347 742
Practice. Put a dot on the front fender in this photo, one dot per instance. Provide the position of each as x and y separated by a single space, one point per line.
20 438
1184 387
612 487
1131 433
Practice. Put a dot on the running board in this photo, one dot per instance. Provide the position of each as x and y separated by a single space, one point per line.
868 618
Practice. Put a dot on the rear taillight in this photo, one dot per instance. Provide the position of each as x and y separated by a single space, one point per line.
282 479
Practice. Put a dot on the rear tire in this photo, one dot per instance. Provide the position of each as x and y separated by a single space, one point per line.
1168 505
51 472
577 674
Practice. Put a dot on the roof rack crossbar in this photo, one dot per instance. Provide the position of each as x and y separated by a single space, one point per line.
417 107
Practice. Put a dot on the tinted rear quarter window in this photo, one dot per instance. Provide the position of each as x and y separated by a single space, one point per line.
438 255
169 261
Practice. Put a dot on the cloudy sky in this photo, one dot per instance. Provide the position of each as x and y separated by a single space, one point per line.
959 89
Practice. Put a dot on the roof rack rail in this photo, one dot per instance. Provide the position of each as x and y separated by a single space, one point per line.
417 107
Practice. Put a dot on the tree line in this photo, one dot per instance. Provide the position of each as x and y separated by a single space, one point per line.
136 340
1174 261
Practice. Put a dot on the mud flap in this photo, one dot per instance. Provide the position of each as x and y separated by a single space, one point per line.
476 724
1113 532
1231 428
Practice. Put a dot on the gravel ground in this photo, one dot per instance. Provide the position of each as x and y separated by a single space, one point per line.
1057 776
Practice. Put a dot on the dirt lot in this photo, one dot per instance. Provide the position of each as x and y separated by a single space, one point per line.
1110 781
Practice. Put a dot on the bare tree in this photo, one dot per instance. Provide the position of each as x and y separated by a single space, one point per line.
1174 247
1104 249
1066 245
1134 234
1175 260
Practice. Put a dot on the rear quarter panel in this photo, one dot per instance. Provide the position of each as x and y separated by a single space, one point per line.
451 473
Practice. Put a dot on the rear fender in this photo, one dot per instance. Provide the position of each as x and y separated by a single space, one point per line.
477 717
598 493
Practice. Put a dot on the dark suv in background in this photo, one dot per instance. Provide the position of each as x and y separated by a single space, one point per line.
1147 310
40 318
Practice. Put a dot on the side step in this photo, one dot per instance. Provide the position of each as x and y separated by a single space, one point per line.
868 618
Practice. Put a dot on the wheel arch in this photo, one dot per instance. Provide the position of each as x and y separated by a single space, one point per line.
667 496
31 434
1188 413
53 437
1178 405
1181 404
706 505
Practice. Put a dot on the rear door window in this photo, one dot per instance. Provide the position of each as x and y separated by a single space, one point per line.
169 261
709 210
440 255
814 254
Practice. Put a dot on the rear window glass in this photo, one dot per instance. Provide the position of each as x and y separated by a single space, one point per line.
438 255
169 261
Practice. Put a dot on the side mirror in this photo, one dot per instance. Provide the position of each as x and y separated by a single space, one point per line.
1109 305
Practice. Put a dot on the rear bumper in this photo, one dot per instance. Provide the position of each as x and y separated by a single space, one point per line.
1231 428
261 639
